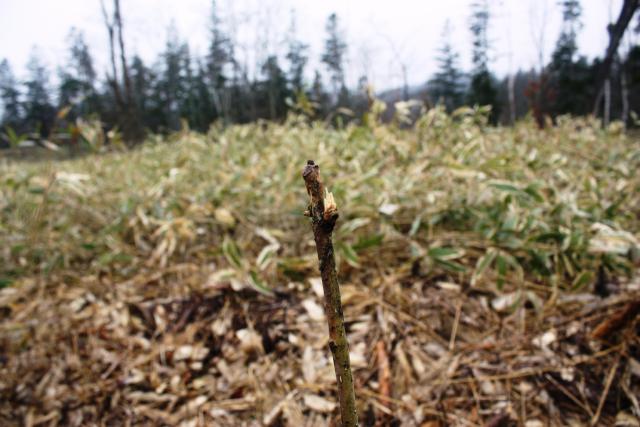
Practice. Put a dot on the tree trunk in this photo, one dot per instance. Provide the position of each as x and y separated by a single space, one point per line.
405 83
607 102
113 80
121 82
123 55
512 99
625 94
616 32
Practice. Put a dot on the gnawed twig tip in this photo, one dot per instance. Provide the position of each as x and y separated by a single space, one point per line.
330 207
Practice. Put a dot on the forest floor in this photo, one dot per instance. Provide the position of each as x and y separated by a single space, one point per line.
488 278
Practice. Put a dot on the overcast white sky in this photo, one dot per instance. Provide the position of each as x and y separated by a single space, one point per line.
381 34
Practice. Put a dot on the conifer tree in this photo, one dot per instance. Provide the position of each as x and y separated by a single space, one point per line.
482 90
173 84
276 84
218 57
319 96
9 98
334 52
77 79
446 86
570 76
297 58
39 112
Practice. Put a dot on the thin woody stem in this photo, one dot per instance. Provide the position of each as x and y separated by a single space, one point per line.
323 220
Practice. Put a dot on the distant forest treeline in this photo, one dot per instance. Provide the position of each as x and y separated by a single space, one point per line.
136 97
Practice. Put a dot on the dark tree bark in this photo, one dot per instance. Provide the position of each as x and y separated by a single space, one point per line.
113 79
616 31
117 16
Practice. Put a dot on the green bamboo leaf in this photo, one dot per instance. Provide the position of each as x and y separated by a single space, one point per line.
532 191
266 255
415 226
501 266
445 254
347 252
508 188
354 224
511 222
232 253
452 266
551 236
483 263
368 242
259 284
581 280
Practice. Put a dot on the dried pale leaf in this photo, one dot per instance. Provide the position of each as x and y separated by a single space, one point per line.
625 419
309 372
183 353
608 240
194 404
135 376
220 326
250 341
318 403
505 302
357 355
388 208
435 349
525 387
449 286
224 217
274 414
545 340
316 286
315 311
568 374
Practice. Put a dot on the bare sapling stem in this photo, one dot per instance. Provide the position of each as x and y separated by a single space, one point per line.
324 213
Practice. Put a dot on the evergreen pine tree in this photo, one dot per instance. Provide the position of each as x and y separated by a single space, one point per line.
297 58
333 57
276 84
218 58
143 81
446 86
205 107
172 84
39 112
319 96
9 98
77 79
482 90
570 76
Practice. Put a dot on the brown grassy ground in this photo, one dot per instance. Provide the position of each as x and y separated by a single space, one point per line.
177 284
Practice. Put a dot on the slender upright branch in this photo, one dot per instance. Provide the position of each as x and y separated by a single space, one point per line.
324 213
113 79
117 17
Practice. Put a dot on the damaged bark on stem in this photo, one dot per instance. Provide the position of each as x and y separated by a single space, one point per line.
324 213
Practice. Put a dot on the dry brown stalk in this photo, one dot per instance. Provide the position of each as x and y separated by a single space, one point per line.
324 213
605 393
384 371
384 378
618 321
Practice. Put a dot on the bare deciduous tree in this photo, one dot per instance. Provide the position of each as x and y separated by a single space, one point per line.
120 82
